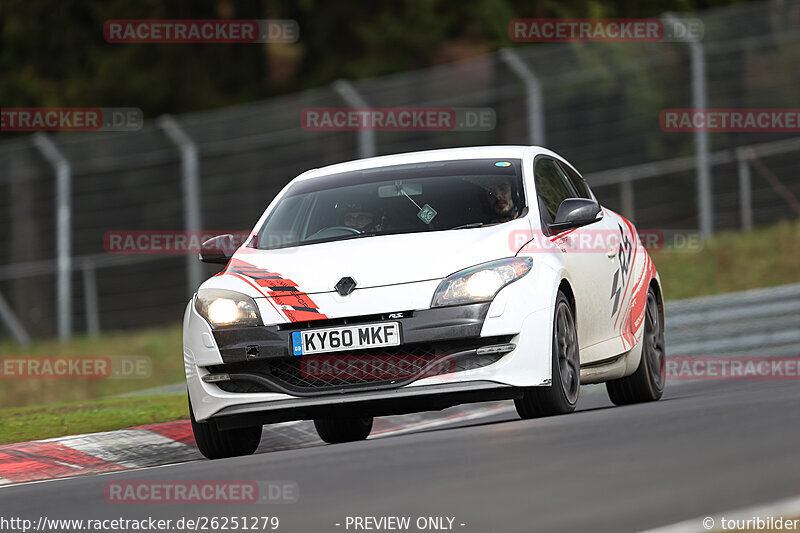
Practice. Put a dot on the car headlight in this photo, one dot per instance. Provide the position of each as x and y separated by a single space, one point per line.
222 308
480 283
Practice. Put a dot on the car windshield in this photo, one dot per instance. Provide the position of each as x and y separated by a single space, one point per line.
413 198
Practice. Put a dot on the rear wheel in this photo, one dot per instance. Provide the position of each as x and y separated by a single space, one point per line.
647 383
336 430
562 394
215 443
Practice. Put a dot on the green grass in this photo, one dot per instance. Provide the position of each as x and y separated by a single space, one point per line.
163 348
730 262
733 261
20 424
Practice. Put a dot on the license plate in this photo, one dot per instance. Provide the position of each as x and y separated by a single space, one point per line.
345 338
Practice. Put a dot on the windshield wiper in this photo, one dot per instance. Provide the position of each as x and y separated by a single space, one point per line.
360 235
470 225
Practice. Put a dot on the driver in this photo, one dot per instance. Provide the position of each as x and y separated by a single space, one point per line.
499 196
359 217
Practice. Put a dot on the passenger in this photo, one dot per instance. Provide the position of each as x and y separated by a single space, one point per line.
499 196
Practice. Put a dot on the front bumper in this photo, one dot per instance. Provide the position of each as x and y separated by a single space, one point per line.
433 342
427 325
344 372
254 373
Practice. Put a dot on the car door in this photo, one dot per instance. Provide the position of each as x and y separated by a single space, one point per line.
586 253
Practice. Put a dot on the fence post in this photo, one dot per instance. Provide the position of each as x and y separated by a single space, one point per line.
533 95
699 102
16 329
63 231
367 146
745 190
190 182
90 299
626 198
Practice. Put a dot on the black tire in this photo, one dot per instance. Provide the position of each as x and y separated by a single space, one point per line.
214 443
647 383
561 396
337 430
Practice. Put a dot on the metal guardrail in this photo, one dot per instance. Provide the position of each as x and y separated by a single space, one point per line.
760 322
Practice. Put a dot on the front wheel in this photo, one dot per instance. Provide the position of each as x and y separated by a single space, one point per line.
215 443
647 383
561 396
336 430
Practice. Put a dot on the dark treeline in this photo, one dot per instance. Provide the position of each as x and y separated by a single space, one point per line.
54 52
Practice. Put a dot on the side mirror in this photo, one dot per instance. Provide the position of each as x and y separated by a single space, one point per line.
575 212
217 249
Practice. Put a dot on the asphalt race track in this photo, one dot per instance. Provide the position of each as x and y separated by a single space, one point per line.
706 448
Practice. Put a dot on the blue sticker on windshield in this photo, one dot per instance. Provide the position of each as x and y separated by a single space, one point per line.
502 164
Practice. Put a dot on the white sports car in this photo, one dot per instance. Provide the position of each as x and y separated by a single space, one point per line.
416 282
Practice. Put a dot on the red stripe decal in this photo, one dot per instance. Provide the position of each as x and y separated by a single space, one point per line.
295 300
640 303
249 282
635 244
282 283
261 279
287 299
559 235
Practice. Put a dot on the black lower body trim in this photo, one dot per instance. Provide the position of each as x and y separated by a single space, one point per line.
343 372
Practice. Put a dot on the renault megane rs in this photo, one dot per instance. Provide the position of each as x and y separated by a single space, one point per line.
416 282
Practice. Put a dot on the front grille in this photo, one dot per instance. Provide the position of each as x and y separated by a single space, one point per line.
344 321
397 365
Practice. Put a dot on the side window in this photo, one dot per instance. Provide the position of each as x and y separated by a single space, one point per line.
577 181
552 187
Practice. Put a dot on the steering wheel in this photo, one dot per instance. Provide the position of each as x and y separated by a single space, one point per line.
333 231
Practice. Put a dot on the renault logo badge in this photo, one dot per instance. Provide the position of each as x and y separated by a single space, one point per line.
345 286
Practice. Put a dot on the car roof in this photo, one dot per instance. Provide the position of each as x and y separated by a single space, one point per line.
473 152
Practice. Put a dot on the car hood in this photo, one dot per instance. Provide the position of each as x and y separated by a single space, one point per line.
382 260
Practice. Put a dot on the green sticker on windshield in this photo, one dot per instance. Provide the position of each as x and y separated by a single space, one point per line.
426 214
